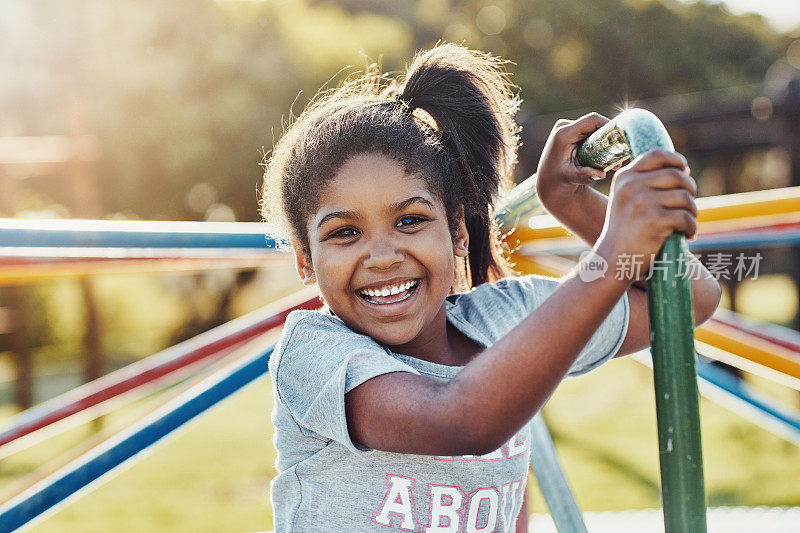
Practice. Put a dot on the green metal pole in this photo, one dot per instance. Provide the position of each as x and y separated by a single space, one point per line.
519 205
630 134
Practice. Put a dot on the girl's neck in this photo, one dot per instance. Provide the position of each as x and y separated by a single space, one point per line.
440 343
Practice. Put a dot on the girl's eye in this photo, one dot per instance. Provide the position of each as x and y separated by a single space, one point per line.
343 233
409 221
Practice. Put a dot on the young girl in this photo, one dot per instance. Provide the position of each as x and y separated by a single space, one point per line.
404 403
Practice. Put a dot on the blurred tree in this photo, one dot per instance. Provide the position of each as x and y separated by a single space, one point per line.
573 54
190 91
180 92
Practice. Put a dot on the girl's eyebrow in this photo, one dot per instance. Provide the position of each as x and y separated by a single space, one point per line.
337 214
399 206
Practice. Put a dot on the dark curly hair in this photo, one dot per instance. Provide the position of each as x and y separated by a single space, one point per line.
449 119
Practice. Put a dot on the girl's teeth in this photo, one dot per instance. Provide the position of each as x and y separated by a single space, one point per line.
390 291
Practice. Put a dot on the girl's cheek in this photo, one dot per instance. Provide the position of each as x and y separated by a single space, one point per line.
336 259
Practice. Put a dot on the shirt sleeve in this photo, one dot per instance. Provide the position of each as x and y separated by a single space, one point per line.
531 290
318 361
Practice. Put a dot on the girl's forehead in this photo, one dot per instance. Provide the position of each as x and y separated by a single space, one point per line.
372 179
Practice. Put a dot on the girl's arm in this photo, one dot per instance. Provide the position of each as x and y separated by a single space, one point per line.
563 187
497 392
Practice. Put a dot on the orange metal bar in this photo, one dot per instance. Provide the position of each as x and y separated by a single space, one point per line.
737 345
750 347
17 272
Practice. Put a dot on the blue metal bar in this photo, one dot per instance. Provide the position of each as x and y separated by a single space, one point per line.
22 233
748 239
729 391
40 254
773 415
88 469
35 235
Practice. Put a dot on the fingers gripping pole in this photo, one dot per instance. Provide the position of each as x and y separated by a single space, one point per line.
630 134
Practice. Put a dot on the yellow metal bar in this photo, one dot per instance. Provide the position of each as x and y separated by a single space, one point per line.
748 223
738 345
727 212
749 204
556 238
544 265
747 365
750 347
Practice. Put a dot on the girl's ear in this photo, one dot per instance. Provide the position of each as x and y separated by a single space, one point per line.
303 264
460 235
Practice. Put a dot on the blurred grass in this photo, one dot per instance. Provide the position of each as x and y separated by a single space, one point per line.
214 476
605 430
139 315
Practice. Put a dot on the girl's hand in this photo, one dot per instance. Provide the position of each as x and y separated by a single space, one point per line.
651 198
559 174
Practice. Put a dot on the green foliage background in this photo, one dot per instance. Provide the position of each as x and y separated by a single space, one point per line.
195 91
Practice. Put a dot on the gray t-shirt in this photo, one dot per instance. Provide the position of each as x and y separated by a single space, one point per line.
328 483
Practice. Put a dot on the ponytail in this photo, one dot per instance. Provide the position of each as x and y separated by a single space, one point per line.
469 97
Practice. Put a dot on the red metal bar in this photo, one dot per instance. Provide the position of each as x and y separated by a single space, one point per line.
205 345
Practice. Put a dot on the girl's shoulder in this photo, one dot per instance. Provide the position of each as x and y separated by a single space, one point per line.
520 293
318 359
319 341
301 321
490 310
304 330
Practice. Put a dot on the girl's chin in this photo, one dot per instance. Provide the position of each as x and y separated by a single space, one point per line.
402 336
393 334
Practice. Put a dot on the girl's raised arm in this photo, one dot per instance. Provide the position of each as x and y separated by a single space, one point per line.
563 187
505 385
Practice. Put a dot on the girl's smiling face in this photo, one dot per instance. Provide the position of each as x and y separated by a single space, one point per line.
382 252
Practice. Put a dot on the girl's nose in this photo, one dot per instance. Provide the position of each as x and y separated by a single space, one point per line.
382 255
